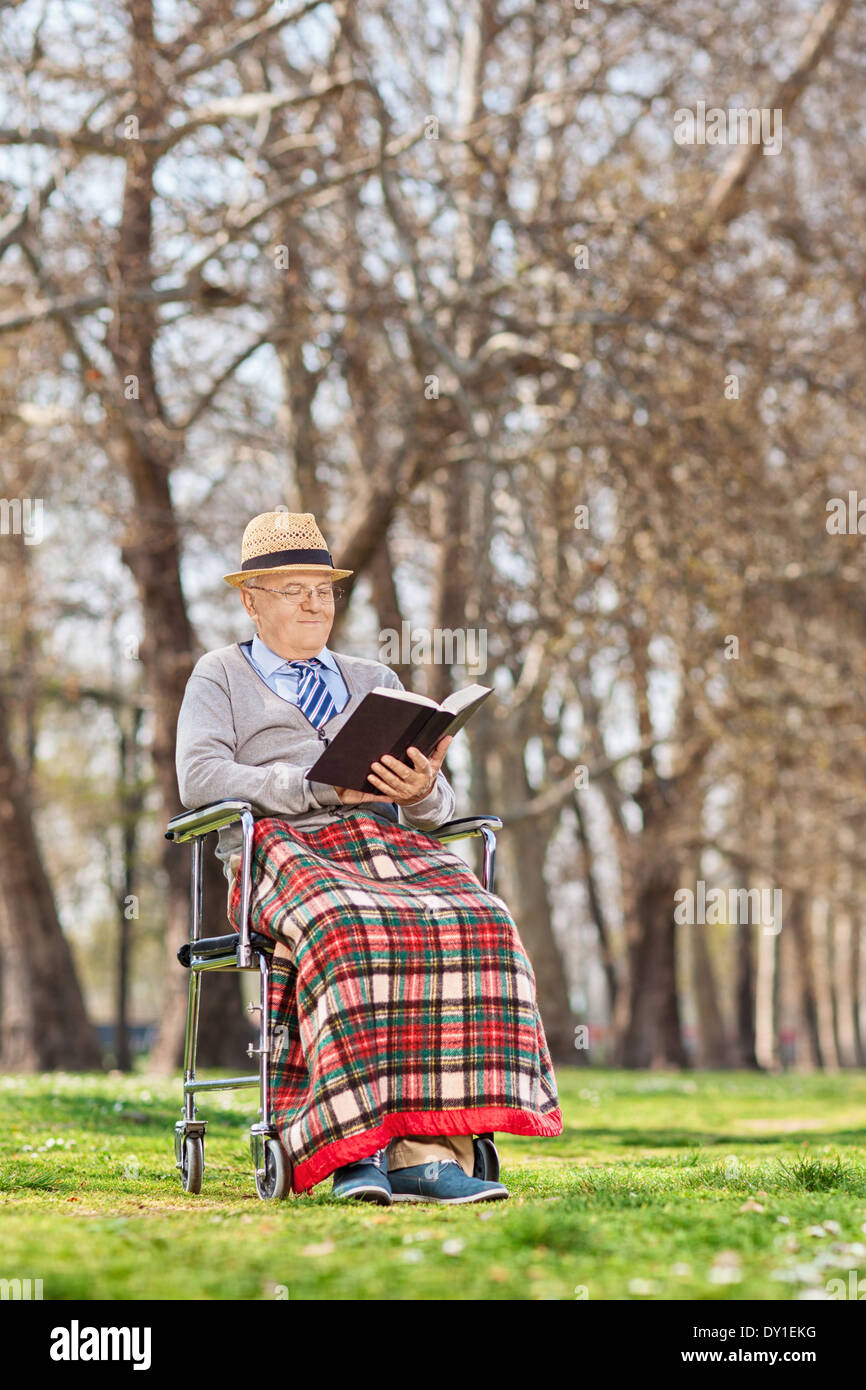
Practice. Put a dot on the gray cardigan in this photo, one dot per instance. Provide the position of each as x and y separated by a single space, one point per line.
237 738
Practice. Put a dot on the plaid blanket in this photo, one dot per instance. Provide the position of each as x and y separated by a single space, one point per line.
408 1005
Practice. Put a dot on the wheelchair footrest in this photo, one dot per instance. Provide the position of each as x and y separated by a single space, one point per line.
209 946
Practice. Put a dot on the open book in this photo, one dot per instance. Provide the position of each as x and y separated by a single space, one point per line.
390 721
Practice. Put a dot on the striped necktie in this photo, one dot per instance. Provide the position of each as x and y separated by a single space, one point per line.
314 697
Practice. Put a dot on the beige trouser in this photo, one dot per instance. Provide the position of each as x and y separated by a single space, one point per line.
409 1150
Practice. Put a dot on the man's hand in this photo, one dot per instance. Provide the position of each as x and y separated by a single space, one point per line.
350 797
403 784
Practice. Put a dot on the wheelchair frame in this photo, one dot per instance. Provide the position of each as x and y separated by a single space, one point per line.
250 950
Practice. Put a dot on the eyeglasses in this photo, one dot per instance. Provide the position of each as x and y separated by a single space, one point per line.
296 593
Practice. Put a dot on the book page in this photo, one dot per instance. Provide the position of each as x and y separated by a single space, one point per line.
404 695
459 699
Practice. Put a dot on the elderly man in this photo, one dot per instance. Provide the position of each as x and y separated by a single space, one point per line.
402 1000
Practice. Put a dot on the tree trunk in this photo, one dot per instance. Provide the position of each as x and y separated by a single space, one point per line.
129 801
713 1051
744 1047
768 1052
855 993
44 1020
453 582
820 932
596 910
151 549
653 1035
523 856
808 1038
843 985
387 604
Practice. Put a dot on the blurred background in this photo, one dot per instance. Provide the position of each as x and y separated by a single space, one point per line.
551 382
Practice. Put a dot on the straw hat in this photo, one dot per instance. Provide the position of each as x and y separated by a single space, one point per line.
279 542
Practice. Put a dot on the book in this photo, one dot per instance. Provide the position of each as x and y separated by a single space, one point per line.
390 721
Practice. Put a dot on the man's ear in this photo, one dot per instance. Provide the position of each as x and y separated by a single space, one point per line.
248 601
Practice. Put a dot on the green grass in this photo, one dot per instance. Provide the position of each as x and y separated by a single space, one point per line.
662 1186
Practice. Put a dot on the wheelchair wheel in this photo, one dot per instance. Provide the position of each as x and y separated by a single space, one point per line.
486 1159
276 1180
192 1163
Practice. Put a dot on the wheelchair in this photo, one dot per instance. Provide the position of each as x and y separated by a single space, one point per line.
250 950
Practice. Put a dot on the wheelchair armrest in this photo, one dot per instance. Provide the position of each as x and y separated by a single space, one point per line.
194 825
205 819
466 825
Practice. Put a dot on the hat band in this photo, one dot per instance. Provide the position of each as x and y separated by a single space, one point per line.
288 557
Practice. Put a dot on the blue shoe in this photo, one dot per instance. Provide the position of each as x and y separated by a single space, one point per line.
443 1182
367 1179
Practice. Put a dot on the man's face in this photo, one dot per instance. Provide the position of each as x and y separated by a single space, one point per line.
294 629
